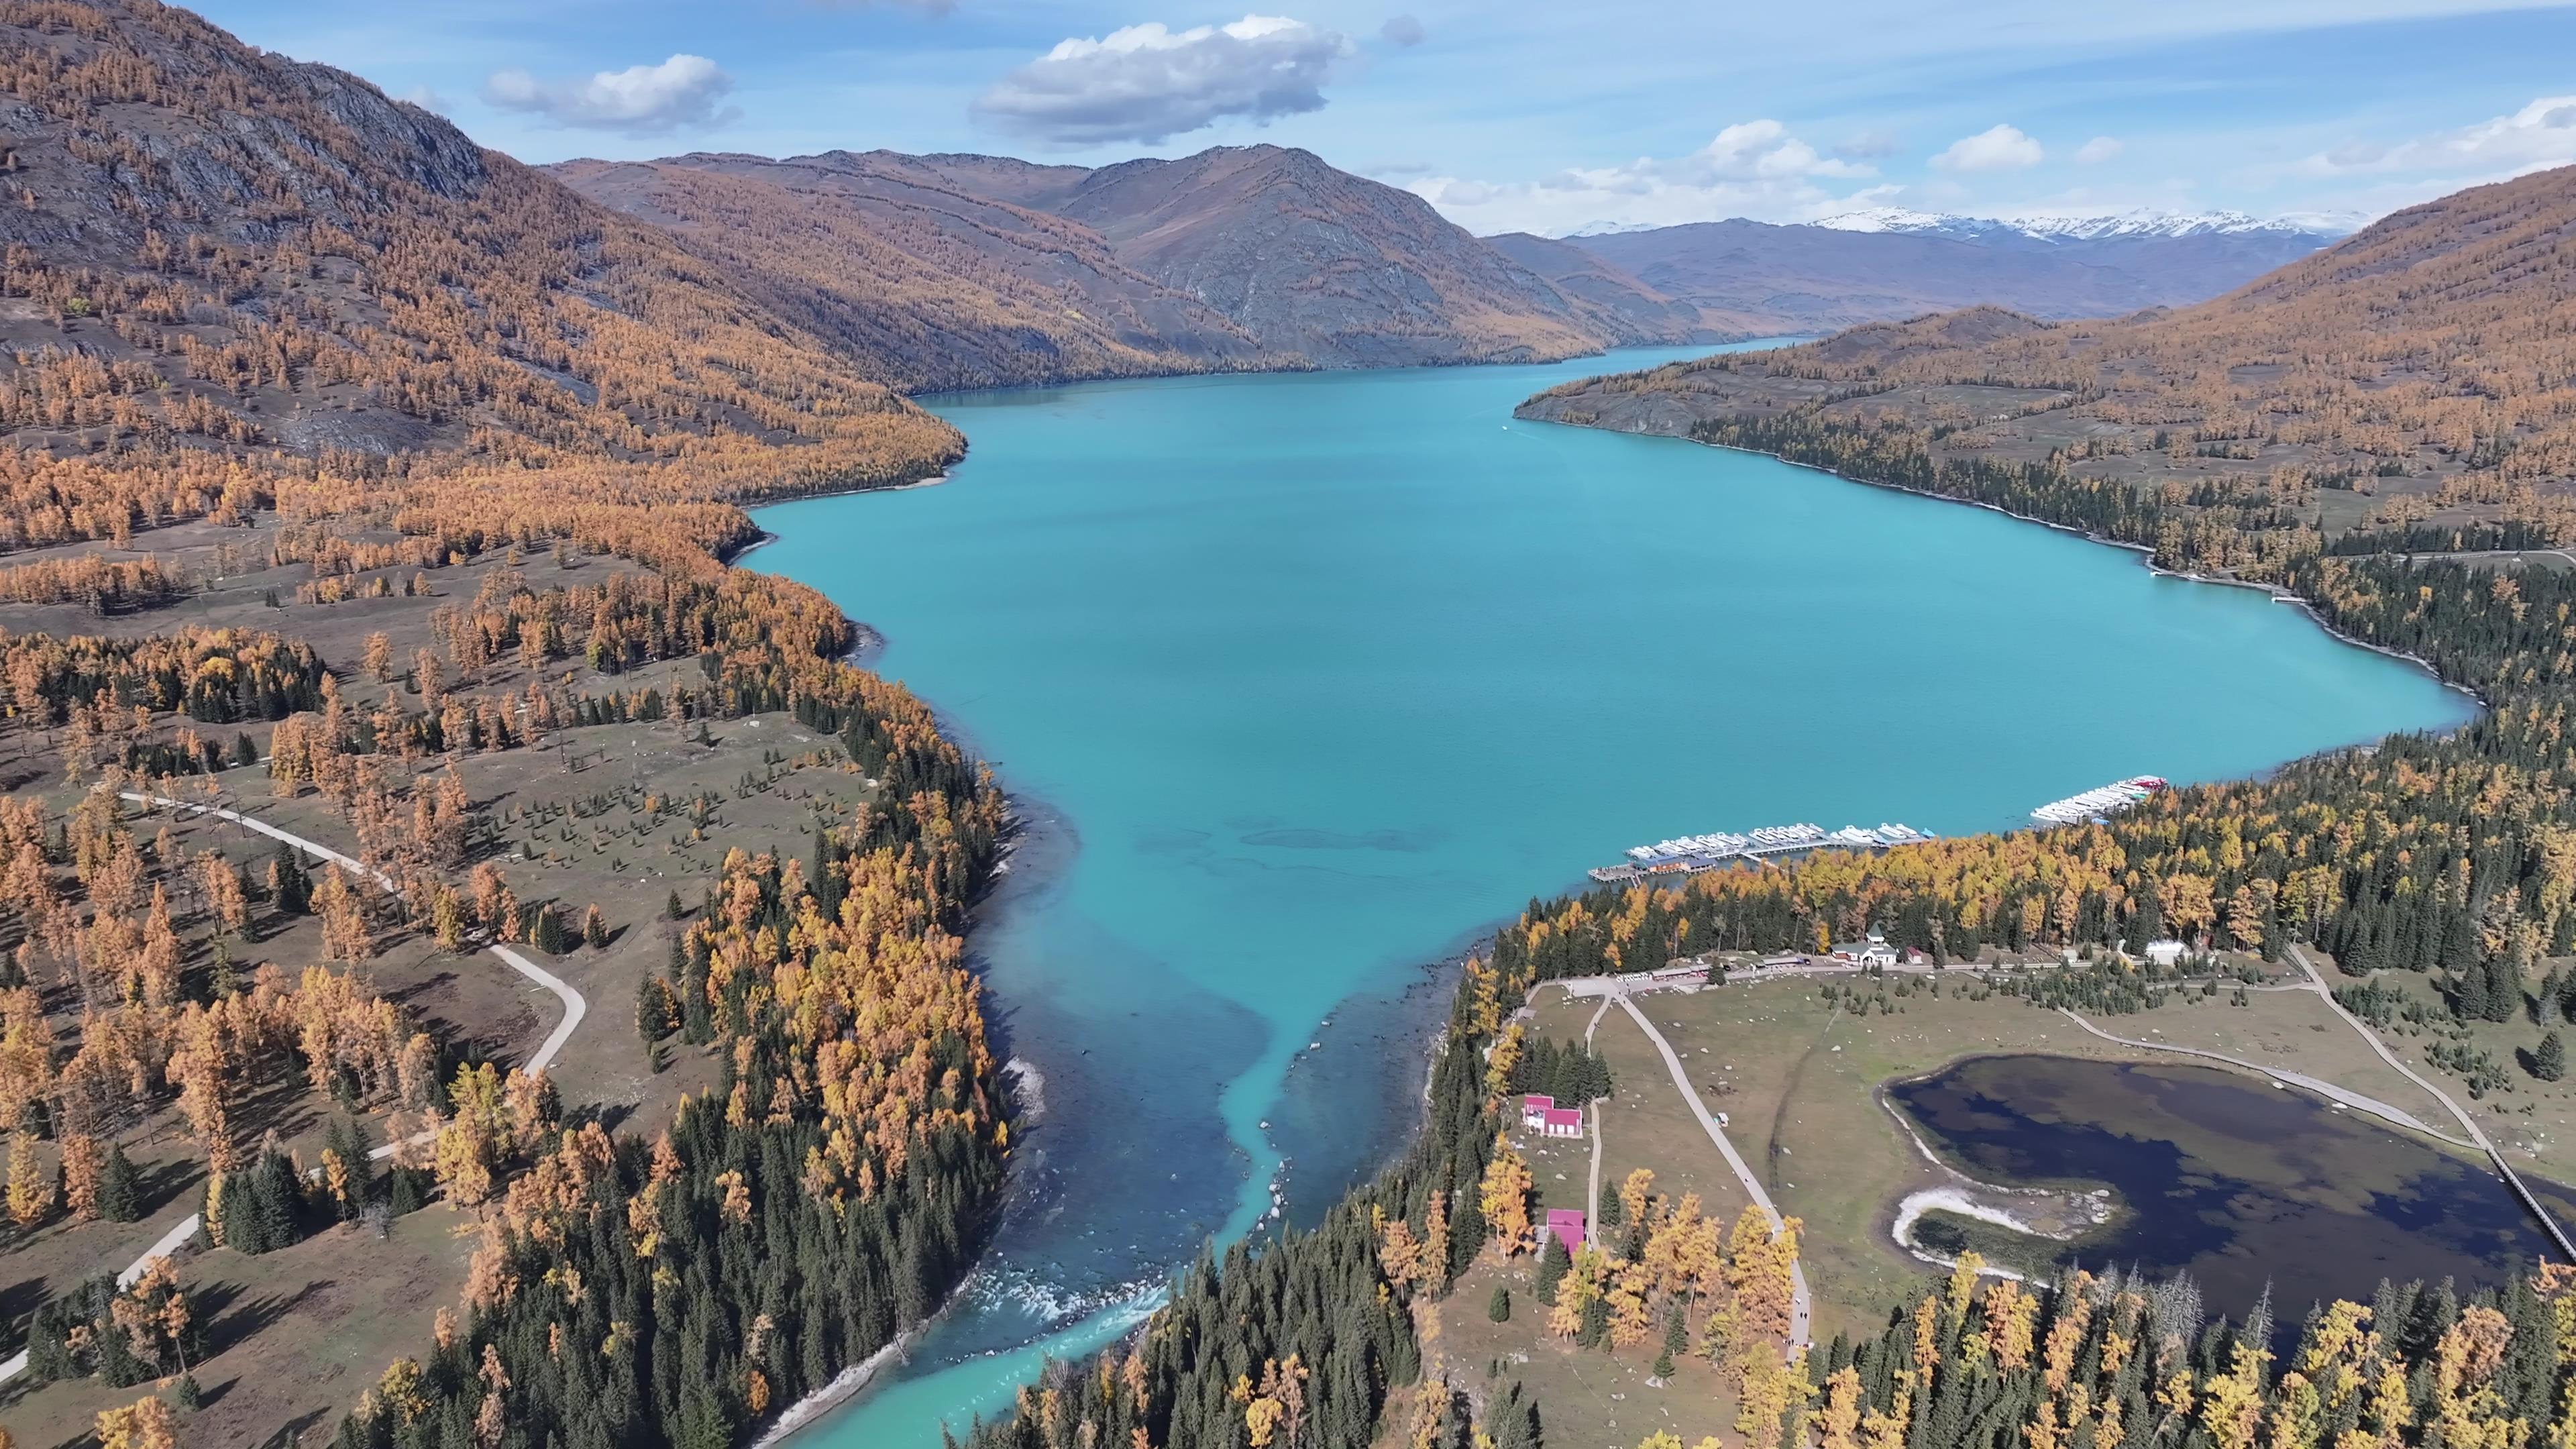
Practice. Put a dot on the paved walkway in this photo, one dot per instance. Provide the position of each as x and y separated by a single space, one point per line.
2321 1087
575 1008
1801 1303
1592 1194
2468 1124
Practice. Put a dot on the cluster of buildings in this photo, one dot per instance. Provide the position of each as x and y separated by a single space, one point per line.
1541 1115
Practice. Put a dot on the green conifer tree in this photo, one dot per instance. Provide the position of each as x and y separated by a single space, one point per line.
120 1188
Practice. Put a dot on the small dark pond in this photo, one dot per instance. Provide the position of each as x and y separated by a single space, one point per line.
2229 1178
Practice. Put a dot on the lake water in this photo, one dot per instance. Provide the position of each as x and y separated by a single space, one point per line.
2227 1178
1307 678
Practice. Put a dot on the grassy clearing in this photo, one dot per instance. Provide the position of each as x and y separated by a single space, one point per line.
1799 1081
2297 1031
1596 1398
292 1337
2532 1121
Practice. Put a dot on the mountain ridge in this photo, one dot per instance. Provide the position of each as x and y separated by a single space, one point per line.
282 257
2055 226
2229 416
1750 278
1251 256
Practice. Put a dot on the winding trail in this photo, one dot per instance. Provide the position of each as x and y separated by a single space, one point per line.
1592 1194
1801 1303
2468 1124
2342 1096
575 1008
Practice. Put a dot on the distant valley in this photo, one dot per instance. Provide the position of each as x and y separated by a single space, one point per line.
960 271
970 271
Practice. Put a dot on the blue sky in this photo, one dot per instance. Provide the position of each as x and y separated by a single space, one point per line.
1528 115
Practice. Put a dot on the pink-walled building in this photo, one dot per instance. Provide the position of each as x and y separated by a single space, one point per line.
1564 1225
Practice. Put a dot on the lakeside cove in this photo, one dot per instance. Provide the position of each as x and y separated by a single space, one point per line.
1265 644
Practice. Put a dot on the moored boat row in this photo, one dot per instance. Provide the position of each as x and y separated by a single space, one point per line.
2099 802
1690 853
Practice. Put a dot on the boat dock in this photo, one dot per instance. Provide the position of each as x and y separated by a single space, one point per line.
1691 854
2098 803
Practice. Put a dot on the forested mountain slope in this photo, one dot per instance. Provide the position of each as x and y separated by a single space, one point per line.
1617 302
2415 374
228 246
1343 270
351 471
924 282
960 269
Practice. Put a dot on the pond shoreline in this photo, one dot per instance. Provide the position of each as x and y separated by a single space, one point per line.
2217 1176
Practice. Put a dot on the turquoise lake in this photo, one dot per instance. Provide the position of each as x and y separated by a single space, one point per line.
1305 680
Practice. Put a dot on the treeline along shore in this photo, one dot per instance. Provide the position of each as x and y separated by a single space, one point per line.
2451 855
435 465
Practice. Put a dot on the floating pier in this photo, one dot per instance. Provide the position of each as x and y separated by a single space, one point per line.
2099 803
1690 854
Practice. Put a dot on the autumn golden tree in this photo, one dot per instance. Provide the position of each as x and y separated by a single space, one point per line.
345 933
220 881
1504 1198
147 1423
83 1160
33 1182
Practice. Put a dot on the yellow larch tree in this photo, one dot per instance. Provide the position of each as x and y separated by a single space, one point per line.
1504 1196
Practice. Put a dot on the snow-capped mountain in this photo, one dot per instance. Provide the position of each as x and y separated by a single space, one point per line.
1897 218
1605 228
1886 263
2063 227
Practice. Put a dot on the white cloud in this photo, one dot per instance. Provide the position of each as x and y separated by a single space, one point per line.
2541 134
1998 148
1148 82
425 98
1747 151
1753 168
642 100
2099 150
1402 30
